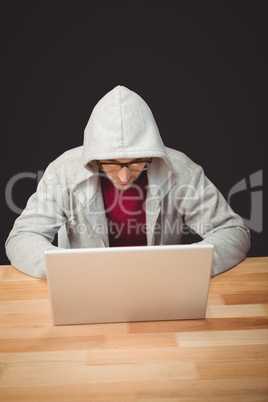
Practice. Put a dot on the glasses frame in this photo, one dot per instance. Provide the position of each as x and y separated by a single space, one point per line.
147 162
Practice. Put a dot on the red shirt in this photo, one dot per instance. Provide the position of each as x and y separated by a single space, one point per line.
125 212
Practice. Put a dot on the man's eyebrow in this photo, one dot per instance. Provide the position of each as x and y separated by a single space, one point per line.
109 160
115 160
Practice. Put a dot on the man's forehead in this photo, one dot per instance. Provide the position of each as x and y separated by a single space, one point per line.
122 160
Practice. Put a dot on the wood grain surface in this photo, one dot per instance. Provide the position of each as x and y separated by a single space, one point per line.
221 358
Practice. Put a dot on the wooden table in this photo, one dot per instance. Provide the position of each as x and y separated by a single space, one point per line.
221 358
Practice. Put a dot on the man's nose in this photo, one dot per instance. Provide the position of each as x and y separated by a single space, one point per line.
124 174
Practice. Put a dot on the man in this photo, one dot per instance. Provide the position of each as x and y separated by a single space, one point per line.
123 188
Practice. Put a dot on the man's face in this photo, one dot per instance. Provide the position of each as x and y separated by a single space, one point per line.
123 178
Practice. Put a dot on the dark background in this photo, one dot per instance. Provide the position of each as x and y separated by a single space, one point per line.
200 65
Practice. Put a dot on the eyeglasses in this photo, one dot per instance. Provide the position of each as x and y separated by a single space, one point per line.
137 165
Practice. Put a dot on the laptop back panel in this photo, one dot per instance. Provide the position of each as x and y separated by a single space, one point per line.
128 284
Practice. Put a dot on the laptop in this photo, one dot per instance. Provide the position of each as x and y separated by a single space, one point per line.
125 284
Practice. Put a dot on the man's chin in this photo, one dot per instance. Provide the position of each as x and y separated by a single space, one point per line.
122 186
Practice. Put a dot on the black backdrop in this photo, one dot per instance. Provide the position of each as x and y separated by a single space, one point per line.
200 65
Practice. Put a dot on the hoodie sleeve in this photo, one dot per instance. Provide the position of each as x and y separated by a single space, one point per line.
34 230
210 216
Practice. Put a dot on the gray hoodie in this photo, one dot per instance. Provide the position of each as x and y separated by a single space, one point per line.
179 195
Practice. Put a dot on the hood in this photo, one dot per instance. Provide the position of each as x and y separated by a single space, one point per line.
122 125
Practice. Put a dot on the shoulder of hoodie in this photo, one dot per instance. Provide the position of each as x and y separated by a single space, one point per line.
69 164
184 168
71 156
181 162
